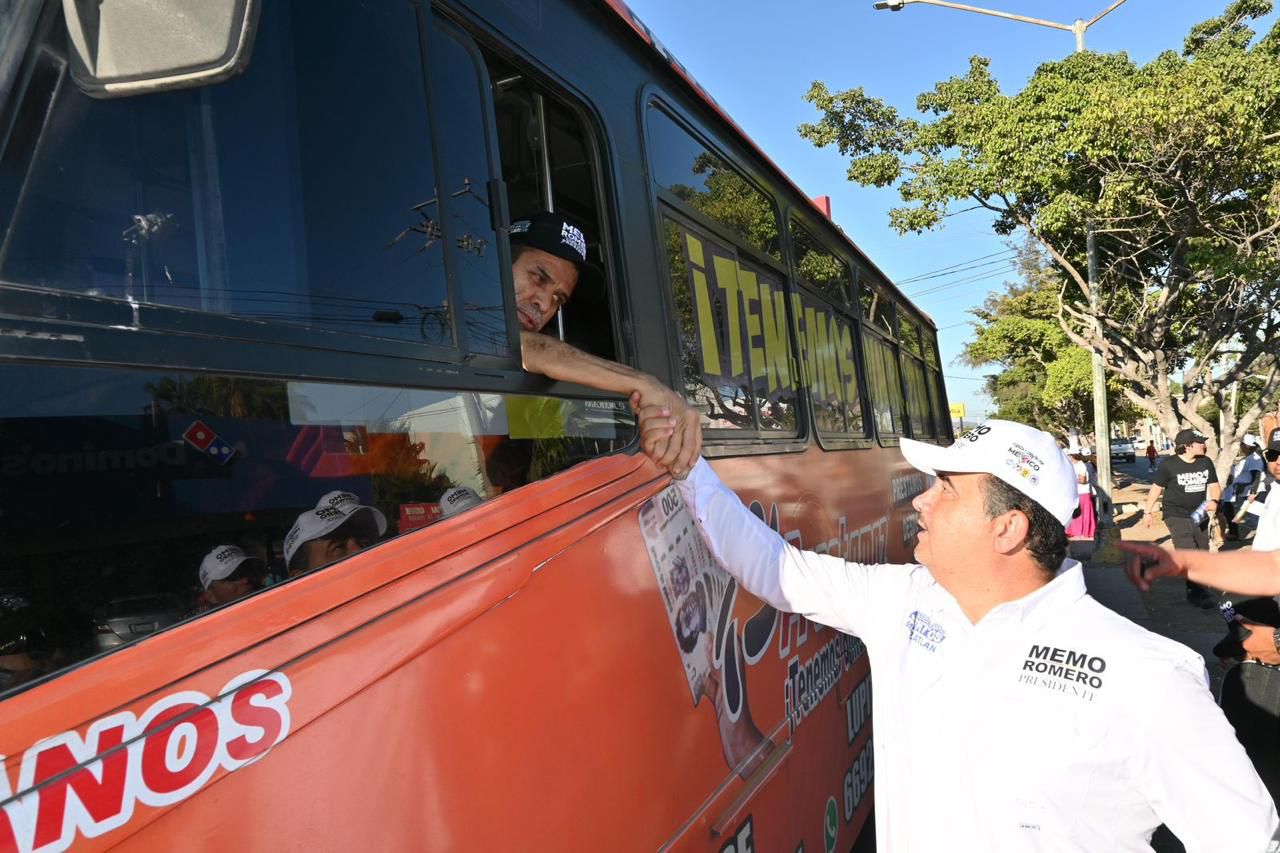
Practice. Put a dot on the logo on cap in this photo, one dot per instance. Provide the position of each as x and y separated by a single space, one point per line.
573 238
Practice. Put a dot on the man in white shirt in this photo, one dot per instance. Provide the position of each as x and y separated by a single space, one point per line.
1012 711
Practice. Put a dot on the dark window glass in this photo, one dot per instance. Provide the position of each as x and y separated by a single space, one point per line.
918 399
942 414
115 486
301 192
909 334
930 348
735 349
877 309
822 269
886 383
710 185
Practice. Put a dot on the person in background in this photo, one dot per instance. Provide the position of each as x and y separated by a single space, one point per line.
1084 525
338 527
1247 477
1188 484
227 573
1250 695
1151 455
458 499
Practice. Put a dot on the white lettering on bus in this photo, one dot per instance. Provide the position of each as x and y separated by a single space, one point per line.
71 785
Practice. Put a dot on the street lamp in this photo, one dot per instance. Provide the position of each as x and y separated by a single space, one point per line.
1101 425
1078 27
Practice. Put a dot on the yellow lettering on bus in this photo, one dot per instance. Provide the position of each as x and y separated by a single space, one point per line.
706 318
814 371
727 280
773 314
826 360
802 343
749 286
848 367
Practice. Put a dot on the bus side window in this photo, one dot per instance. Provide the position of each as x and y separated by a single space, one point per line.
549 164
303 192
829 354
735 339
919 408
730 303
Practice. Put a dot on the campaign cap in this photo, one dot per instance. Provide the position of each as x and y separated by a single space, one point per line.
456 500
1026 458
1273 446
555 235
222 562
1187 436
332 511
1251 440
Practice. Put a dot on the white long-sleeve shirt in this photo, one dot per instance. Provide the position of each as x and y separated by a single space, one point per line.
1267 536
1053 724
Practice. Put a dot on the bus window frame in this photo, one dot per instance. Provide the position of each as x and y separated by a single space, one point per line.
612 247
664 205
851 313
737 442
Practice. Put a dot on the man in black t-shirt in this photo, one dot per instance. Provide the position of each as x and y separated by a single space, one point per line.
1187 480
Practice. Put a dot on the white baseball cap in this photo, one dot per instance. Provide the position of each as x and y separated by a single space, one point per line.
221 562
1026 458
456 500
331 512
1251 440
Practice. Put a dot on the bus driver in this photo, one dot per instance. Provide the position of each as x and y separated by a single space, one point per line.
549 258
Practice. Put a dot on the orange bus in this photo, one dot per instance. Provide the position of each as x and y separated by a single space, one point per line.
292 553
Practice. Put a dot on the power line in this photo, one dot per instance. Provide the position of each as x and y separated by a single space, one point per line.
929 273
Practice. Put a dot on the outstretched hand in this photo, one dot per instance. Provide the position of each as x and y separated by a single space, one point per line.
670 433
1147 562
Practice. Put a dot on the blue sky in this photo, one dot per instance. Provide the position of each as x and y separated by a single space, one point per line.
758 58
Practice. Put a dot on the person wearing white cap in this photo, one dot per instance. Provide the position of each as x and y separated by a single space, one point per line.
1243 486
227 573
458 499
339 526
1012 711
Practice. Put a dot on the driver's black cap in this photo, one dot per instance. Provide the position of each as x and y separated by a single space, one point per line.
555 235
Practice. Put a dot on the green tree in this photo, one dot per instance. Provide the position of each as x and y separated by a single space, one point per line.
1045 379
1175 165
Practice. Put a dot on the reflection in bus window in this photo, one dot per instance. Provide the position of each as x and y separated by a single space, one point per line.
825 271
735 354
885 382
825 339
706 182
918 398
131 500
243 198
877 309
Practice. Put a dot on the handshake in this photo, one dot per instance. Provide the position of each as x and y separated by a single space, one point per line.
670 431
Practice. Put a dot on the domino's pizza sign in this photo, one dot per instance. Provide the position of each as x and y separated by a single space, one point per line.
202 437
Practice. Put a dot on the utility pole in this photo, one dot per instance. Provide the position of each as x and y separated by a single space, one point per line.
1101 425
